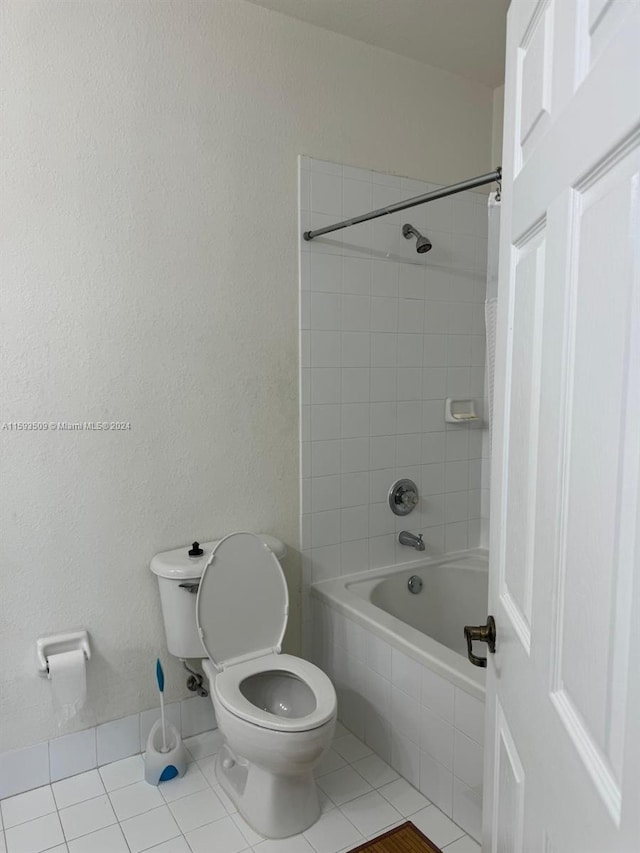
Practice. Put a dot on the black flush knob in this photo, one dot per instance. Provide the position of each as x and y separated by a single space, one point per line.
196 550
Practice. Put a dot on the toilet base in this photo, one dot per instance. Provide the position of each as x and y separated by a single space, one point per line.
275 806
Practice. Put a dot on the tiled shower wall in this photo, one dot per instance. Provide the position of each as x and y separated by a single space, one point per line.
386 335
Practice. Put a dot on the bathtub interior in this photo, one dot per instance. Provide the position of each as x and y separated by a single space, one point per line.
452 595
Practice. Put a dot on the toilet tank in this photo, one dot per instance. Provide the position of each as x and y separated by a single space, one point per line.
178 576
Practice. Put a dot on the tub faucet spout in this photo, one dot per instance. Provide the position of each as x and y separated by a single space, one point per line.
406 538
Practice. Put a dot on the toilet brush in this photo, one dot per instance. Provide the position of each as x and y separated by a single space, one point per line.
165 756
160 680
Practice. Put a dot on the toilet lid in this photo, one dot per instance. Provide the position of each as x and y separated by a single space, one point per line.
243 602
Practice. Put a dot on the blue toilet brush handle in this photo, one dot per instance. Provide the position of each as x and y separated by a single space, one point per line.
160 680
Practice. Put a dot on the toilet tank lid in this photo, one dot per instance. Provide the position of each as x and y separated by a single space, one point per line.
178 565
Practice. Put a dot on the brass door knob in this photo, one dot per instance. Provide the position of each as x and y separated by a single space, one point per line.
483 633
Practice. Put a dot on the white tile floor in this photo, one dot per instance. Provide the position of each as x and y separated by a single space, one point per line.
112 810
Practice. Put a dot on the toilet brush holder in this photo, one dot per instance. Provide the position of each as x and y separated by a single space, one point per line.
161 766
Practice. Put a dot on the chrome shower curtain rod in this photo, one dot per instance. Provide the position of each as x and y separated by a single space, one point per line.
489 178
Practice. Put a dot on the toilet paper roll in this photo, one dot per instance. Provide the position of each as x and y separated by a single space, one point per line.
67 672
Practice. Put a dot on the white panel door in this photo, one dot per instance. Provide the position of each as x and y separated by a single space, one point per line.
563 706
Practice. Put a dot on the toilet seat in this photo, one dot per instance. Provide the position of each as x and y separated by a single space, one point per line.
241 613
226 685
243 601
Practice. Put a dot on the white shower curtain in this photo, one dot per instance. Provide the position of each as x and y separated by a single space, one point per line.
491 303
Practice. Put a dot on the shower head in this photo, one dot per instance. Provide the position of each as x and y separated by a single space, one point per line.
423 244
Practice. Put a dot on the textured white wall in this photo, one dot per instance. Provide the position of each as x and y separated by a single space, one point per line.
150 275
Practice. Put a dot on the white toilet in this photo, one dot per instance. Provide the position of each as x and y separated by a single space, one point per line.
277 712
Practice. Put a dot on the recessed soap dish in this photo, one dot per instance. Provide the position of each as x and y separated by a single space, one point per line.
459 411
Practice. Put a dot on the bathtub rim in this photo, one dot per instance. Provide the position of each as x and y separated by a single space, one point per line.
336 593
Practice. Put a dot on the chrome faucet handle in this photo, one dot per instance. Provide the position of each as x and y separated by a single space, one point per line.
409 498
403 497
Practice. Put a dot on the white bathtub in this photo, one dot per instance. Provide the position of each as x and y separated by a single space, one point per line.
404 683
428 626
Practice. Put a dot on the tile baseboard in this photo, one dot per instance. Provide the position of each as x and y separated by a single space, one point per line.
49 761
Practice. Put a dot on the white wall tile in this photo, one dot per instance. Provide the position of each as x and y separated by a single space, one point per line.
355 383
383 384
456 536
326 193
469 715
410 316
325 386
456 507
382 452
24 769
325 458
405 674
383 418
382 550
356 276
437 694
408 450
433 416
355 313
410 349
389 338
356 197
354 420
325 311
354 556
467 760
409 414
436 316
437 738
385 277
325 421
197 715
355 453
357 174
325 349
432 478
412 279
405 758
467 808
325 563
356 351
385 196
72 754
457 445
406 716
384 314
354 523
325 493
325 528
325 273
409 383
434 383
436 783
434 350
354 488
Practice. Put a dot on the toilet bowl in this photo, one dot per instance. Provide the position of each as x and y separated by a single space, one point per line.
277 715
276 712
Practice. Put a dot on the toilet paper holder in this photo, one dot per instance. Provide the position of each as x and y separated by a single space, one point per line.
59 643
